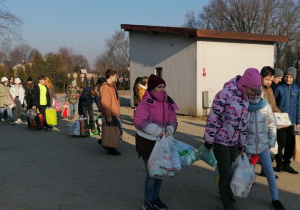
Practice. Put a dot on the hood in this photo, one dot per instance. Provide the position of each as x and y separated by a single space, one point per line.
86 89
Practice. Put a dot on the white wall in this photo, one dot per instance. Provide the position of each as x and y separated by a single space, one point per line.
176 55
224 60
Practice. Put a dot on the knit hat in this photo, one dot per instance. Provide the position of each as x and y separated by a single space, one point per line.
3 79
153 81
291 71
251 78
17 80
29 79
74 82
278 73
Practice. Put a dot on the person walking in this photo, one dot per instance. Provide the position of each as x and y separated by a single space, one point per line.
110 104
136 98
154 117
85 107
261 135
18 94
226 127
41 100
72 98
287 97
4 93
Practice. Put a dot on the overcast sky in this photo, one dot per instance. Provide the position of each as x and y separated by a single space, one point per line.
86 24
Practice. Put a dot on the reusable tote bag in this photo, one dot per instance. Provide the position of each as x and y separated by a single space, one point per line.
110 135
51 116
75 128
297 149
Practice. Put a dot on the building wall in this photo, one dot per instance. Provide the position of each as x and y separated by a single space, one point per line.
224 60
176 55
183 60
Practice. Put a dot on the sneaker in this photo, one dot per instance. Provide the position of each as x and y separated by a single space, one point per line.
2 120
48 128
277 204
159 204
148 206
113 151
19 120
290 170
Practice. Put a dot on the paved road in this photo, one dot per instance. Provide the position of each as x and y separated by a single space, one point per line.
52 170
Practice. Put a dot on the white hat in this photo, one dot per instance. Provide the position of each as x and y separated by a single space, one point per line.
3 79
17 80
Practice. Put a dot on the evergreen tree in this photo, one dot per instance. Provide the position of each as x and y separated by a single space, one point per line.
92 84
78 80
38 67
23 76
11 72
85 81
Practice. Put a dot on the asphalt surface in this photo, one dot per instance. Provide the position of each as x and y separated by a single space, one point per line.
53 170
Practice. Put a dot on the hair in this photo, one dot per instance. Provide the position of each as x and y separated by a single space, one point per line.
92 92
101 80
110 72
29 85
41 77
144 80
267 71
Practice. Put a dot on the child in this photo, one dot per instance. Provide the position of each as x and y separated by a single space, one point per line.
154 117
261 135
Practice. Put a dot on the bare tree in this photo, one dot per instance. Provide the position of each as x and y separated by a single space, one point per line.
10 24
22 53
274 17
116 55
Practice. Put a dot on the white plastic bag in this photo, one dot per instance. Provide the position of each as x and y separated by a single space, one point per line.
160 163
274 149
187 153
75 128
243 177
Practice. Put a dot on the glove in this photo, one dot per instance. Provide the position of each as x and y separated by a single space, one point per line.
208 146
242 149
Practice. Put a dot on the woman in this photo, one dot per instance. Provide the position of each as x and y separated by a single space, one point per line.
136 92
18 93
226 127
142 87
154 117
85 107
4 93
51 91
29 92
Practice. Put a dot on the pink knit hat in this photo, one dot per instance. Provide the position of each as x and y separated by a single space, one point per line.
251 78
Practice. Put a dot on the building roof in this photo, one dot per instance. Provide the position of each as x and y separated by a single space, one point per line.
204 33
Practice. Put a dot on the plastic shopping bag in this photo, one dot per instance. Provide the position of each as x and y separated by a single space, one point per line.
187 153
64 113
51 116
274 149
243 177
160 163
31 113
75 128
176 163
57 106
206 156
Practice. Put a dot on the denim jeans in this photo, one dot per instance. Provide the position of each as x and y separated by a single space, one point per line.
266 163
2 109
72 109
9 114
152 186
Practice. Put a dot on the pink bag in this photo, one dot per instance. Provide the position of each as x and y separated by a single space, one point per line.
56 106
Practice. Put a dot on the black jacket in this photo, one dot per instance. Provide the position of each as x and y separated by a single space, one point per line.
86 100
36 96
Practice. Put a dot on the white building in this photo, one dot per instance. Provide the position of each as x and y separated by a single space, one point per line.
195 63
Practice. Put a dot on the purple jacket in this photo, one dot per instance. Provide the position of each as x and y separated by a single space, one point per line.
152 116
227 120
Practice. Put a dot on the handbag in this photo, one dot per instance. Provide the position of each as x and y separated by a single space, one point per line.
110 135
9 103
207 157
75 128
297 149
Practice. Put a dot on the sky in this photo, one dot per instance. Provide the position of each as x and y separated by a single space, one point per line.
85 25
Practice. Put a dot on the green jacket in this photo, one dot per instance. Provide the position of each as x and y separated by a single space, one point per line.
72 95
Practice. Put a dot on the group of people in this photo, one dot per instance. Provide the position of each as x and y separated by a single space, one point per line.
241 121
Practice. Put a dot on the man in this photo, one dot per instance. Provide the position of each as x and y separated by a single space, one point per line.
287 96
41 99
277 77
110 103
